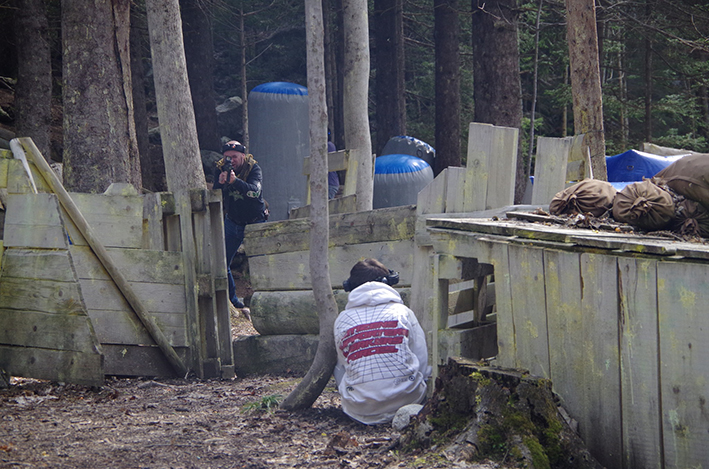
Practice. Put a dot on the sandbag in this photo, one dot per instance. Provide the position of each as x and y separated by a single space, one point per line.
691 218
689 177
644 205
587 196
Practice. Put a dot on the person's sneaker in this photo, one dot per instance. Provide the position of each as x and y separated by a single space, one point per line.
246 312
239 304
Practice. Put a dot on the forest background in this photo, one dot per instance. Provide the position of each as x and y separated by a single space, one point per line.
435 67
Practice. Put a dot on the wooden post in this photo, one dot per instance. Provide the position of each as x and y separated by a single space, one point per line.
550 168
492 159
102 254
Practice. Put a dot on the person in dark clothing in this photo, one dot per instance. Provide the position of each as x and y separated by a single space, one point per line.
333 180
239 177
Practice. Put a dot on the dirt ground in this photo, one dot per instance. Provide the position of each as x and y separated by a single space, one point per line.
144 423
174 423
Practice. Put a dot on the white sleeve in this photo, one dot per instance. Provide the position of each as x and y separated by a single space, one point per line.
417 342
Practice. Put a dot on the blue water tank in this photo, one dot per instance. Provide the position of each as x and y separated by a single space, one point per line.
279 139
398 179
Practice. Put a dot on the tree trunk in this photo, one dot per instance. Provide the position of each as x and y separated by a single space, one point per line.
320 371
242 73
152 169
356 91
535 85
586 80
199 54
183 165
334 64
100 144
497 90
389 60
648 77
446 33
33 93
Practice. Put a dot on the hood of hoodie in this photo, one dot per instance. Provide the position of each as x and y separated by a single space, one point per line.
372 294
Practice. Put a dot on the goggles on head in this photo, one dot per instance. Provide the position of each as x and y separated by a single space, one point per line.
233 146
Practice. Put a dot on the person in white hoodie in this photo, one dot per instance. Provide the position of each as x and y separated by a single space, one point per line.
382 359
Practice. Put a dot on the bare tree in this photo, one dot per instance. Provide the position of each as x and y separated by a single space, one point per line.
320 371
447 30
356 99
497 92
586 80
33 93
389 59
199 54
178 131
100 144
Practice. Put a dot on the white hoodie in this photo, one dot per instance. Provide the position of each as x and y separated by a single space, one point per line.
382 360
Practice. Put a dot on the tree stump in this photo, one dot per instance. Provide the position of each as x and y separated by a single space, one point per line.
483 412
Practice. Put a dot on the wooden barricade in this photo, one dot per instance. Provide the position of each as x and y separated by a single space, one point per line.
342 160
283 308
456 304
145 274
615 321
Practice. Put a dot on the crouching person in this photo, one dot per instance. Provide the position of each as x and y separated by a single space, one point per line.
382 360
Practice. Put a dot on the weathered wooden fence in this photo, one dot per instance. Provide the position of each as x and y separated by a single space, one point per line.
617 322
283 307
109 284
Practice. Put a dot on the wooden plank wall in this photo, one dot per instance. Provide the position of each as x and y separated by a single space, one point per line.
621 337
52 281
45 329
279 262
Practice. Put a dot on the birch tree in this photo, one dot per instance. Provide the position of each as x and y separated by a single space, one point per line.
356 89
320 371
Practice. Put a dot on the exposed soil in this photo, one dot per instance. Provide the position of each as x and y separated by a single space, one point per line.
174 423
143 423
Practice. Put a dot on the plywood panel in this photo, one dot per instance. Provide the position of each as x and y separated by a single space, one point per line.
29 236
642 434
157 298
601 380
123 327
116 220
550 168
506 342
491 163
529 308
432 198
85 368
345 229
291 270
566 328
3 172
136 265
32 220
131 360
46 296
40 264
32 209
44 330
683 296
18 182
